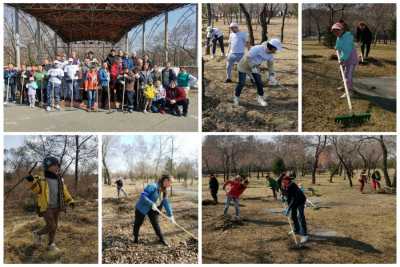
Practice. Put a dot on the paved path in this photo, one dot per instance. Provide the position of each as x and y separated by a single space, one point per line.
23 119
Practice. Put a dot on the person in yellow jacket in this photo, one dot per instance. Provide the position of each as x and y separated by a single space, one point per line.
149 95
52 197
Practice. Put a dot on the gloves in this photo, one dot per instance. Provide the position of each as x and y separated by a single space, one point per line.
154 207
72 205
286 212
172 219
272 81
255 70
29 178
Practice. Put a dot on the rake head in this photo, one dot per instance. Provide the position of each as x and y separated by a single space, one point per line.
353 119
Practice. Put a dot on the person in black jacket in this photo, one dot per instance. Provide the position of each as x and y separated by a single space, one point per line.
296 201
214 186
364 37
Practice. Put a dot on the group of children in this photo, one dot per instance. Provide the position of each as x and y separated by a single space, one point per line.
375 180
123 81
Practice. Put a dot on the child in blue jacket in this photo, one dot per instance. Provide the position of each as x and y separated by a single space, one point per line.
152 200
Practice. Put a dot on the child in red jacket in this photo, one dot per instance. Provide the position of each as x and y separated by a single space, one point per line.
233 191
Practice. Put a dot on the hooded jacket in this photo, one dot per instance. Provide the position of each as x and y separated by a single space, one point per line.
40 187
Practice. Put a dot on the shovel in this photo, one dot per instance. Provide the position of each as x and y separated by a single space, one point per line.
175 223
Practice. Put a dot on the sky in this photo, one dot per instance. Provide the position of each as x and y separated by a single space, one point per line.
186 147
13 141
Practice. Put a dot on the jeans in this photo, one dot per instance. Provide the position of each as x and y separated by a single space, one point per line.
158 105
12 88
299 220
242 82
139 218
131 99
91 95
72 87
53 89
228 203
231 60
220 40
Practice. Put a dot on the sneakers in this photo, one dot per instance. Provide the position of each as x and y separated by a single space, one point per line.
144 111
212 56
58 107
130 110
236 100
163 242
228 80
261 101
36 238
303 239
237 218
53 247
48 108
222 54
290 233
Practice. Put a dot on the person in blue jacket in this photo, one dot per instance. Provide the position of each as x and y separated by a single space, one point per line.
10 79
151 201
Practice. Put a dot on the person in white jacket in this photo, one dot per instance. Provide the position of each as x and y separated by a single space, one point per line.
238 41
215 35
250 65
71 80
56 75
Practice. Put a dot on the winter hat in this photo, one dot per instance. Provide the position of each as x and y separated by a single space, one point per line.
337 26
50 161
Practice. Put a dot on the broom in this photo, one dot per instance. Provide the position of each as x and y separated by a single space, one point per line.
352 117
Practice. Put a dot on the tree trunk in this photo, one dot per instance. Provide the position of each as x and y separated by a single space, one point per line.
283 21
248 23
76 162
385 163
263 23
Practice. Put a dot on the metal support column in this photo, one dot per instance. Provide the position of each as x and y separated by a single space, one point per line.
143 41
17 39
166 36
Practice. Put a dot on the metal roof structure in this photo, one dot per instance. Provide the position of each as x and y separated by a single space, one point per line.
100 21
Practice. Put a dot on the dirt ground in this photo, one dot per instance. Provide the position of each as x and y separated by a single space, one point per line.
19 118
219 113
349 227
77 236
321 77
118 214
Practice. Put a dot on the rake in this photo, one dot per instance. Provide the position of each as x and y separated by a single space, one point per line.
352 117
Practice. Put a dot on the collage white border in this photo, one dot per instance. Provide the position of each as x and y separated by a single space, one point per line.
199 134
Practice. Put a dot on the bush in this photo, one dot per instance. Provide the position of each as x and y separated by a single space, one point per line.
278 166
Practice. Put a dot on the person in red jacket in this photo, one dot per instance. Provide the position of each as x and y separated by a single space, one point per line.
234 188
115 72
175 97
